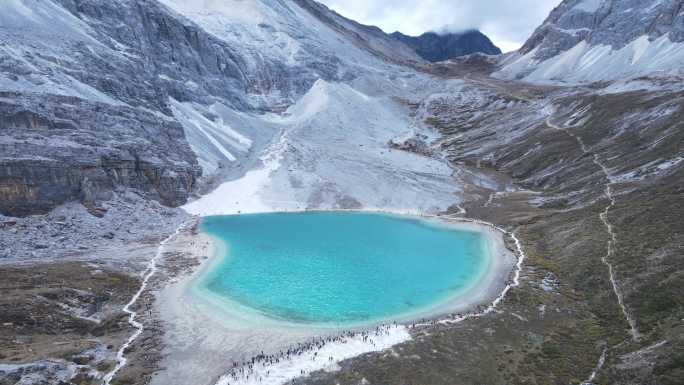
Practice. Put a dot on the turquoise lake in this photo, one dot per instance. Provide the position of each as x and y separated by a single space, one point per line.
332 267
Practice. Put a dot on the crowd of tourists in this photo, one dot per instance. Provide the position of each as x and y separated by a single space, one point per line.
259 367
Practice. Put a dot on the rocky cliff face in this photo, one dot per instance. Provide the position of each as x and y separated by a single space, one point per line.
606 22
435 47
100 95
369 38
590 40
60 148
84 107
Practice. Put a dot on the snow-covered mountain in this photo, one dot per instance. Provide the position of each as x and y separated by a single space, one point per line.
151 94
236 106
592 40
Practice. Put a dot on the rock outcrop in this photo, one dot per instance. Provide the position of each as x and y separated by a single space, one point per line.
60 148
606 22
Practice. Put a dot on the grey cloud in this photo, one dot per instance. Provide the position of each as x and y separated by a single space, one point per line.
507 22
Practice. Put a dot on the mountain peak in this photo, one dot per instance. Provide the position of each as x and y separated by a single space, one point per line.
590 40
435 47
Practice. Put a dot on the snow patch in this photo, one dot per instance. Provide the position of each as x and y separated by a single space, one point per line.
241 196
589 6
313 102
629 85
212 139
589 63
233 11
640 46
44 18
573 32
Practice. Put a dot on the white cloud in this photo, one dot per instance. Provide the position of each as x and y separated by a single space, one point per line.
508 23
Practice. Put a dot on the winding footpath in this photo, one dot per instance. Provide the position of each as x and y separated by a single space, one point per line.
609 227
139 327
612 241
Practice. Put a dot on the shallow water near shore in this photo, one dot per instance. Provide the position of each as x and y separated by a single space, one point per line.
335 268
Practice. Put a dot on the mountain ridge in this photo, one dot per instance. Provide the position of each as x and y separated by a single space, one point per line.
436 47
593 40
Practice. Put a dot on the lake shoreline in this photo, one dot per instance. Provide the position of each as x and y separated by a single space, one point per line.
487 286
197 325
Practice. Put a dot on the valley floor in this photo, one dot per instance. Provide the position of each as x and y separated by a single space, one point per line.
598 215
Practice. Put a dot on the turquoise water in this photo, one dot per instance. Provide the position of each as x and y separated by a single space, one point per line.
340 267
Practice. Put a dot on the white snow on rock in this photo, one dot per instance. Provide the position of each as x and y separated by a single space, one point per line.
313 102
43 18
258 28
334 154
330 148
242 195
282 32
588 63
209 135
589 6
33 37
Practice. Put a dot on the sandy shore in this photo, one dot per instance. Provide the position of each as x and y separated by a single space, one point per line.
203 340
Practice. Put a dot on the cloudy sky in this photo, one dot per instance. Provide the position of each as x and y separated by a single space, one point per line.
508 23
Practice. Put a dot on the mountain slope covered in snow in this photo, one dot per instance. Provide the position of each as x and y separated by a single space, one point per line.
592 40
175 78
